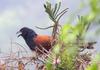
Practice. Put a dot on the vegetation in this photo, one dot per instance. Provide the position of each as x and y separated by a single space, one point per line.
70 44
69 50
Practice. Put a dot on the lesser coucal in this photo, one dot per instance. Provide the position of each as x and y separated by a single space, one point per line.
34 40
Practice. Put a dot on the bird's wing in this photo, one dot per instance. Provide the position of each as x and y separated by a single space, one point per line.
43 41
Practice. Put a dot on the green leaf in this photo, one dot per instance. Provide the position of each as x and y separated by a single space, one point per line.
93 67
56 49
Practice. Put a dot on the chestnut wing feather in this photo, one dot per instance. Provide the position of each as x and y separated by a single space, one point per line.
43 41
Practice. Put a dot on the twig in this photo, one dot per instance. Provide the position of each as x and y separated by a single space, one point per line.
20 46
61 15
61 12
44 28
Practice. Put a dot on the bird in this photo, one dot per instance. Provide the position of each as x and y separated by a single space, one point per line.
34 40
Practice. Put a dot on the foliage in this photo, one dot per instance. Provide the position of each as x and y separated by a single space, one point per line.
54 13
71 42
95 63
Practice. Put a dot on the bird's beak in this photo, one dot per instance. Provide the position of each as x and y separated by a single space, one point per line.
19 33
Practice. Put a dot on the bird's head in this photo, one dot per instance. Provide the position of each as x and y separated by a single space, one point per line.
26 32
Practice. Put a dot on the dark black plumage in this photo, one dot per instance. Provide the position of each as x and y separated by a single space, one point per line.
34 40
28 35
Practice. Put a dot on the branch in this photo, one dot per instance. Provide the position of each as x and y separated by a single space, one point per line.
44 28
61 12
61 15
